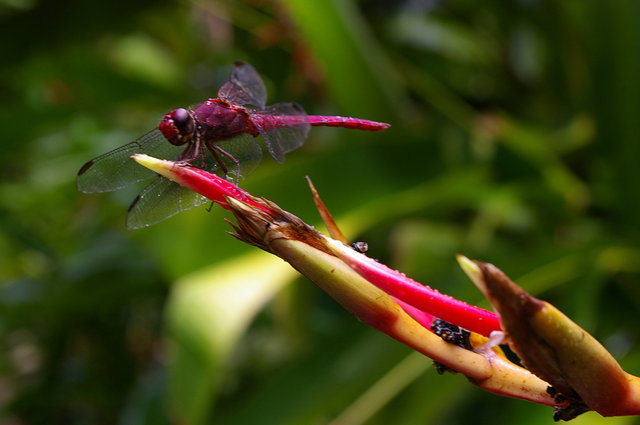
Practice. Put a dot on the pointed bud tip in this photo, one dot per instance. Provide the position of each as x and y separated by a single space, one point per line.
237 204
160 166
473 272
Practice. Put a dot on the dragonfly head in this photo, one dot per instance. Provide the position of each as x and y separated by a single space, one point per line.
178 126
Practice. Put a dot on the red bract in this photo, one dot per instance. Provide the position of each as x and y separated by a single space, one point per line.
417 295
208 185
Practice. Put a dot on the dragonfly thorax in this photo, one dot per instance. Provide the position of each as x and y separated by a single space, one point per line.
178 126
219 120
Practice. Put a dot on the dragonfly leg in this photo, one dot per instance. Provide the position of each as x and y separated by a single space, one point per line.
218 160
191 152
230 157
186 154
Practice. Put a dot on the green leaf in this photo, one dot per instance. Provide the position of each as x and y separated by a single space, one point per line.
208 313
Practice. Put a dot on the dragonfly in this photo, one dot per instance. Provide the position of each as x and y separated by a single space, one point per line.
218 135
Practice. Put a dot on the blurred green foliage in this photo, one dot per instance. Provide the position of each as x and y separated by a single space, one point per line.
514 140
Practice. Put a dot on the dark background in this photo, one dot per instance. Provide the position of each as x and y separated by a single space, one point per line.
514 140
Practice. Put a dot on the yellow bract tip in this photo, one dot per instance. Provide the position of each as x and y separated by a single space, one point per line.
473 272
160 166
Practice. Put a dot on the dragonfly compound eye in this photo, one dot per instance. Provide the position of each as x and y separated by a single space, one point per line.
177 126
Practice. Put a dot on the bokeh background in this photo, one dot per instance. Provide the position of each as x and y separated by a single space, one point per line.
514 140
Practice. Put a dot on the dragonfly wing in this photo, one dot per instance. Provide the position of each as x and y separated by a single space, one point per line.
114 170
160 200
245 87
282 140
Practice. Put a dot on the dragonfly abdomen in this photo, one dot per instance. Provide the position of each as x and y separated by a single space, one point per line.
346 122
270 122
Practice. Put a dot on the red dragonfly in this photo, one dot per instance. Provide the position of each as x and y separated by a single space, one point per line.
218 135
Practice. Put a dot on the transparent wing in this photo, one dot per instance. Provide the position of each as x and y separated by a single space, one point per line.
284 134
114 170
245 87
160 200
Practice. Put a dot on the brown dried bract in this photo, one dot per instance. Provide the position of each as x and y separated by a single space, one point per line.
258 228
